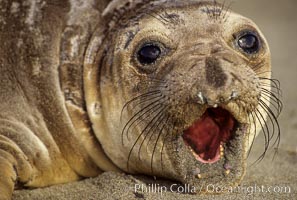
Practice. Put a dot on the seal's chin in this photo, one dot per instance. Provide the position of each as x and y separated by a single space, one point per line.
205 138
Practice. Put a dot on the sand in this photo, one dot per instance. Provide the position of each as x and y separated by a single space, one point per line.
278 20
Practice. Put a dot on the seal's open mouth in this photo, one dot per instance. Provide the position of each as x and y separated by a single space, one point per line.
208 134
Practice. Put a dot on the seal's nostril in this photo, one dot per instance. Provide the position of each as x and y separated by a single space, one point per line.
234 95
201 99
221 99
215 100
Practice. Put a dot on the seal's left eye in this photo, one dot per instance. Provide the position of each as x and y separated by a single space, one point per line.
249 43
148 54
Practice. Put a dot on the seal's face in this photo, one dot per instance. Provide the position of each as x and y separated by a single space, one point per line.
181 90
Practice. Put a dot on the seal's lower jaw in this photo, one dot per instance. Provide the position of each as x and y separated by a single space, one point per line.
207 136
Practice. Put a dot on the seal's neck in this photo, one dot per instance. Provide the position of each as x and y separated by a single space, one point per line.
75 39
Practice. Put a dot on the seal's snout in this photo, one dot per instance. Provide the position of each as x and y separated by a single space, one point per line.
206 137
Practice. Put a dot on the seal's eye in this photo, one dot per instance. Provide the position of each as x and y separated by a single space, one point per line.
148 54
249 43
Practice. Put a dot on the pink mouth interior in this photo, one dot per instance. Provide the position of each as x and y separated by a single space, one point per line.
215 127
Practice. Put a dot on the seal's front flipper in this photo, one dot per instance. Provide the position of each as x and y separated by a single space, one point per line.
7 177
14 166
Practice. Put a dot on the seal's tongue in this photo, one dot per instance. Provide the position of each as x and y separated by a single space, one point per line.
205 135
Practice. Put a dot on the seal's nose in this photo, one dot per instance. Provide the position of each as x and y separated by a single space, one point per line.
215 75
219 88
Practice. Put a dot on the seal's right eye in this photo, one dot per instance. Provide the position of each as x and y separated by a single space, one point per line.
148 54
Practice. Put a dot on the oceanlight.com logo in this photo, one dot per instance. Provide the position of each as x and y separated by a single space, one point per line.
249 190
211 188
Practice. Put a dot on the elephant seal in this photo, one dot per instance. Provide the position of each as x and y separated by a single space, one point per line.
169 88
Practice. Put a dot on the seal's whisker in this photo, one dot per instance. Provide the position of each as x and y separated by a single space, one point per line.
263 105
266 141
275 81
149 140
138 118
267 130
273 120
255 127
227 12
216 14
222 7
143 100
276 107
158 17
263 81
141 112
163 18
272 89
209 12
150 93
169 130
275 129
273 98
278 90
222 14
151 127
156 83
275 93
271 93
139 136
157 140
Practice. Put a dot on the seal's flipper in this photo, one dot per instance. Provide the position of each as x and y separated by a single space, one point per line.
14 166
7 177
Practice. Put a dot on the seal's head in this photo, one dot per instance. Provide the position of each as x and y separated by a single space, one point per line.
179 90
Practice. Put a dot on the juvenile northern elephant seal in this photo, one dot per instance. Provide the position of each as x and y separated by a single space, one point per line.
169 88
